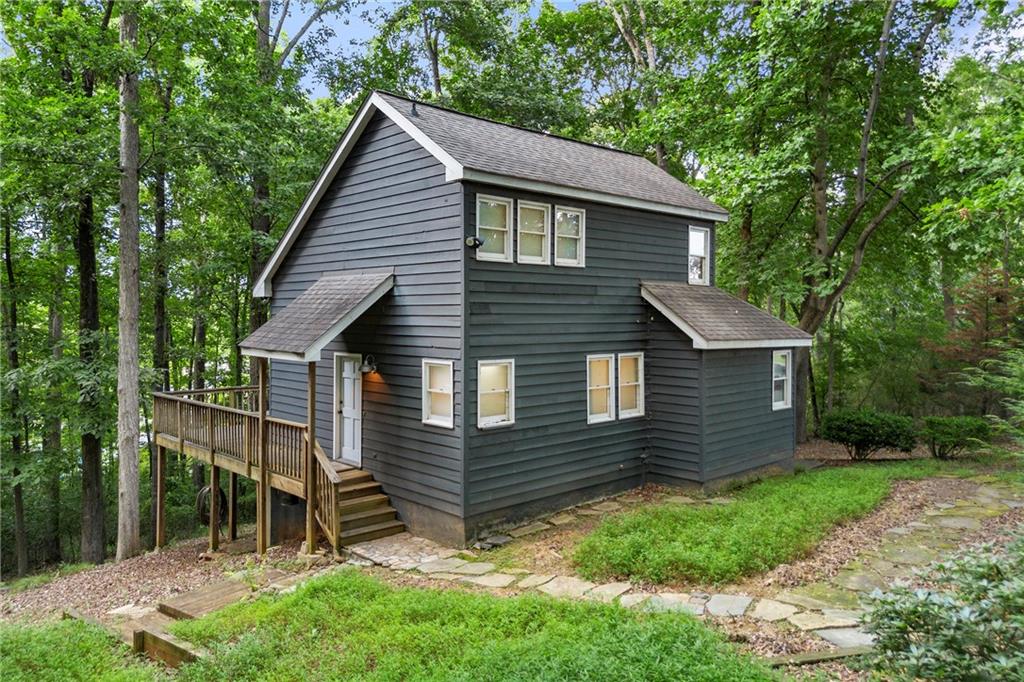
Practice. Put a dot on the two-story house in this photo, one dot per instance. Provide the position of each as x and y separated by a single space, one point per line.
505 322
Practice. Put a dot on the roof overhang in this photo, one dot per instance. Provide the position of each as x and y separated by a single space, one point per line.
702 343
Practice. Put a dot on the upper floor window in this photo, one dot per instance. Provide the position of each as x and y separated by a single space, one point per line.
437 393
700 250
495 393
781 379
570 236
494 228
534 231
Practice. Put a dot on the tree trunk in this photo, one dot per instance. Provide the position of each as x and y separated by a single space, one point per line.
801 376
14 404
236 333
128 539
198 378
260 221
52 424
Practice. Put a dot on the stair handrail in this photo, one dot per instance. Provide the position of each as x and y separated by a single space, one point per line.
326 495
325 462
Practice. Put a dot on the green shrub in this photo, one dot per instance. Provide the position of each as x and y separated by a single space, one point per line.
968 627
864 432
947 437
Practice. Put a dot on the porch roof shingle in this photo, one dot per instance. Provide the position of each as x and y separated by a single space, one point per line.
301 330
717 320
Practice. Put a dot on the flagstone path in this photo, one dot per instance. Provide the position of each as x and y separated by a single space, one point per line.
831 609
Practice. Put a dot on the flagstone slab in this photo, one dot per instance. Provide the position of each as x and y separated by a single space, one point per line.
445 576
771 610
517 571
477 568
846 637
820 596
534 580
491 580
530 529
958 522
727 605
608 506
567 587
908 555
860 581
562 519
673 602
810 620
632 601
609 591
441 565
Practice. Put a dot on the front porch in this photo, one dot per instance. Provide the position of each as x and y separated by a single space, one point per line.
229 430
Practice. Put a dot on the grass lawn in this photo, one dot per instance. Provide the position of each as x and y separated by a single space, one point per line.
351 626
770 522
61 651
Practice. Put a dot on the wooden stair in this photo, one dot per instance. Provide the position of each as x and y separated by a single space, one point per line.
365 511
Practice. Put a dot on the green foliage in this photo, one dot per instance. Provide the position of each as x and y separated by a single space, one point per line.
769 523
947 437
1004 375
39 579
348 626
865 432
968 626
67 650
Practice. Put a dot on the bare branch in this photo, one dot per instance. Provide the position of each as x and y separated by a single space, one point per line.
297 38
626 31
876 88
280 25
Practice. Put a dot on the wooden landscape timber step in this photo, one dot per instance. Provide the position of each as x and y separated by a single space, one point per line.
151 637
812 657
204 600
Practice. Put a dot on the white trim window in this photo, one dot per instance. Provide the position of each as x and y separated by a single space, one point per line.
495 393
570 236
699 260
534 232
438 393
782 374
494 228
631 385
600 388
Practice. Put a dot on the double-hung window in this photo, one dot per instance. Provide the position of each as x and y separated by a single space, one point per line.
534 230
782 374
570 236
631 385
494 228
600 388
700 248
496 393
437 393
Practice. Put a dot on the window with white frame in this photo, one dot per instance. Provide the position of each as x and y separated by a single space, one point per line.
782 373
600 388
534 222
494 228
570 236
438 394
631 385
495 393
700 249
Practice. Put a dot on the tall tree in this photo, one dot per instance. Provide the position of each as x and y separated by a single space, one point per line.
14 400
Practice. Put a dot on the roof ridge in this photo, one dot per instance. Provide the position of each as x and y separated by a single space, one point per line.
511 125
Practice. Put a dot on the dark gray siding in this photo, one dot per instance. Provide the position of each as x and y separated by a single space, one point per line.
741 431
548 319
673 403
388 208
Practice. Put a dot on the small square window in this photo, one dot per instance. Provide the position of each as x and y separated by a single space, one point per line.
699 255
438 396
534 230
493 228
496 393
781 379
570 236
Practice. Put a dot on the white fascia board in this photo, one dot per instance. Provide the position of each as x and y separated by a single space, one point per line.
700 343
589 195
273 355
453 171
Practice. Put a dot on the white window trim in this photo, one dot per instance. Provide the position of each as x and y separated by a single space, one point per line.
707 255
639 410
545 259
507 256
448 423
562 262
493 422
602 418
788 402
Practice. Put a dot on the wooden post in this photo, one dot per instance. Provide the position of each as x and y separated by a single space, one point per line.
214 508
232 506
311 463
262 511
160 534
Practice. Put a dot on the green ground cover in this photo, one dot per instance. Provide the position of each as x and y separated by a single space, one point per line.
39 579
351 626
771 522
65 651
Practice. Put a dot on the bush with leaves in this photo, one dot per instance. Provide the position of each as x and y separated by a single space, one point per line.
1005 375
947 437
865 432
969 626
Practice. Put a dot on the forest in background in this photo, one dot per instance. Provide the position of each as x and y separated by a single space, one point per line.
872 163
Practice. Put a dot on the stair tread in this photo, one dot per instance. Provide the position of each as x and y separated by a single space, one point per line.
386 525
367 513
364 501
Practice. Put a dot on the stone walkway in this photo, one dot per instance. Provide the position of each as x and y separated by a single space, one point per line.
831 609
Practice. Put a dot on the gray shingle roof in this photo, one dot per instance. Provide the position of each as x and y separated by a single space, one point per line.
501 149
318 315
719 319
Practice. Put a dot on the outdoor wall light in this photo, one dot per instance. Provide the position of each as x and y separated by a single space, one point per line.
474 242
369 365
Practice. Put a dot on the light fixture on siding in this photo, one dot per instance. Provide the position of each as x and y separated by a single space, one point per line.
369 365
474 242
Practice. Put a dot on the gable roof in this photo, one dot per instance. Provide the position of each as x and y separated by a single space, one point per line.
716 320
477 149
306 325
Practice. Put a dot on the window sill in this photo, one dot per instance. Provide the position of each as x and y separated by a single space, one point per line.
569 265
494 425
599 420
779 407
439 423
630 415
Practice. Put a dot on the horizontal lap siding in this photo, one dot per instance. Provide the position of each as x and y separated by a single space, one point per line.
388 207
548 319
741 430
673 400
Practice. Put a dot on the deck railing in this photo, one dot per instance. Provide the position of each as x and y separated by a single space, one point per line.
327 481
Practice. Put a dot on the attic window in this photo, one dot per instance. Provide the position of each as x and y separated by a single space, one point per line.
570 236
493 227
699 251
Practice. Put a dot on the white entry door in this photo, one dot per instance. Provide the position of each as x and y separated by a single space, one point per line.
348 409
